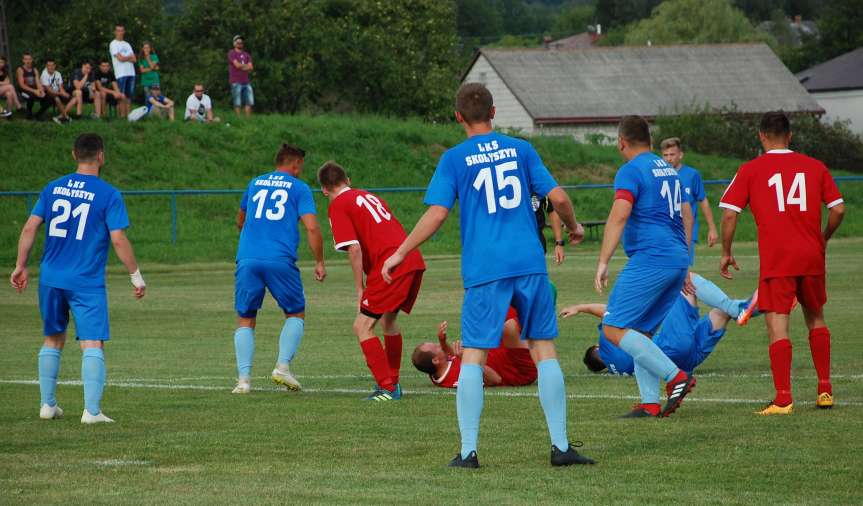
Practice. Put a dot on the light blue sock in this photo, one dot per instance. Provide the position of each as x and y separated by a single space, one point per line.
244 346
552 396
645 352
648 385
49 369
713 296
93 377
468 403
289 340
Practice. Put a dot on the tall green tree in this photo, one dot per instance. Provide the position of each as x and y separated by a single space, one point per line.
614 14
694 22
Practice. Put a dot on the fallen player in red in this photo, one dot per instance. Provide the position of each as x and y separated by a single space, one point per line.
508 365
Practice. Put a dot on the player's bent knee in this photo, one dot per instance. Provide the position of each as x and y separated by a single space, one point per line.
56 341
364 327
246 322
91 343
542 349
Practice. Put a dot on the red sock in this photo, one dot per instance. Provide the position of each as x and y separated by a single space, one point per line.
376 359
819 345
394 354
780 365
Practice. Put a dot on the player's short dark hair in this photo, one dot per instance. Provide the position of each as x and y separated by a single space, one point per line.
331 174
423 361
88 146
592 360
634 130
119 25
50 59
26 53
103 60
288 153
474 102
775 124
671 142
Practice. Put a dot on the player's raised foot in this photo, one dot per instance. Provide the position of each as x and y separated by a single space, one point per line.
382 395
677 389
471 462
570 457
824 401
243 387
773 409
50 412
644 411
88 419
286 379
750 309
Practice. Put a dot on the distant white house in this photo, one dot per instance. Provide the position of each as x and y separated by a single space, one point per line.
837 85
584 92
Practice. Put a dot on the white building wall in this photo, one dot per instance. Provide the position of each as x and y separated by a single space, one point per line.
510 113
843 105
604 133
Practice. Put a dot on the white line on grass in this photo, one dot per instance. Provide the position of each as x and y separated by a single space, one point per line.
424 391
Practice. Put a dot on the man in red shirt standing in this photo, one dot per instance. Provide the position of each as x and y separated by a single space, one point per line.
785 191
364 226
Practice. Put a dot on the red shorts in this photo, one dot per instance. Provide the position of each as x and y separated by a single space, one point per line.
380 297
776 295
514 365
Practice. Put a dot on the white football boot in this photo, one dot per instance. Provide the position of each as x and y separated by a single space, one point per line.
286 379
88 419
50 412
243 387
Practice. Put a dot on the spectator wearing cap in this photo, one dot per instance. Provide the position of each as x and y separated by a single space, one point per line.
199 107
239 68
159 104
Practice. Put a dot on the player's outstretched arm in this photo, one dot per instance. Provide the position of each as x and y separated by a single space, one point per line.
834 219
597 310
729 226
563 207
620 211
707 212
316 244
124 251
355 254
429 223
20 277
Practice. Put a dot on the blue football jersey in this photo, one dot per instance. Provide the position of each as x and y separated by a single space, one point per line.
616 360
273 203
676 336
654 234
493 176
693 192
80 212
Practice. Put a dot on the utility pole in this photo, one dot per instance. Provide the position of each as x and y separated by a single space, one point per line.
4 32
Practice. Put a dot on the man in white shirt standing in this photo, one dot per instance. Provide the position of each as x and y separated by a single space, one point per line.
123 58
199 107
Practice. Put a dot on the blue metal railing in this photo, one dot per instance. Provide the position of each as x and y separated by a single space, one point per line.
173 194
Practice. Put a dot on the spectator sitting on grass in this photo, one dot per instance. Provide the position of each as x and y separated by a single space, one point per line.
52 82
239 68
84 90
199 107
7 89
162 105
107 86
148 67
31 87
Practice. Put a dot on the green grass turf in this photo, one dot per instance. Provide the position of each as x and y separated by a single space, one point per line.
181 437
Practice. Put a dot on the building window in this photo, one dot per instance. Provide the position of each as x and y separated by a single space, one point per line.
482 77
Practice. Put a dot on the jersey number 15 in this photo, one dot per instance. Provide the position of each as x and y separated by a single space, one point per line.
484 180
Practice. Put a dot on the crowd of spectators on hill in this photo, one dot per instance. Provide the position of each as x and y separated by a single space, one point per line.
110 86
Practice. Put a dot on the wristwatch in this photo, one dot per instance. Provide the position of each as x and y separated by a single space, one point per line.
560 243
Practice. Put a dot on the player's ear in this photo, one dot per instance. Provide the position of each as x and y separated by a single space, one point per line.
491 113
74 156
459 117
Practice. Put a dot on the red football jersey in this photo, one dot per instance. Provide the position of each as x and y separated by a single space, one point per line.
359 217
785 191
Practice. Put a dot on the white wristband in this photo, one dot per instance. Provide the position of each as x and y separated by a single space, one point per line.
137 279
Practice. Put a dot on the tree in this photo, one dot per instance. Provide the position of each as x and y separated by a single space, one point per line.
573 19
613 14
694 22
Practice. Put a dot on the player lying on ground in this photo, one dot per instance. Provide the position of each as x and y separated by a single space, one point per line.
493 176
266 260
365 227
655 224
685 336
84 214
508 365
785 191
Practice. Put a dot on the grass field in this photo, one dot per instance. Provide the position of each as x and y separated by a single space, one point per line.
181 437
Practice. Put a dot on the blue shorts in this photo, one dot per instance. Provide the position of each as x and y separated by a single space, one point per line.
90 310
485 306
242 94
642 297
281 277
127 86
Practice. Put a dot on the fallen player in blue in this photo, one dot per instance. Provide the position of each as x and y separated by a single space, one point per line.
686 337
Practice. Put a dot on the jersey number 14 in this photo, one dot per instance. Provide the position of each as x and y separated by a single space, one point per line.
796 195
674 198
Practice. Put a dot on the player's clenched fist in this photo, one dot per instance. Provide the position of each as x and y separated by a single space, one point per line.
577 235
19 279
390 264
726 262
320 271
